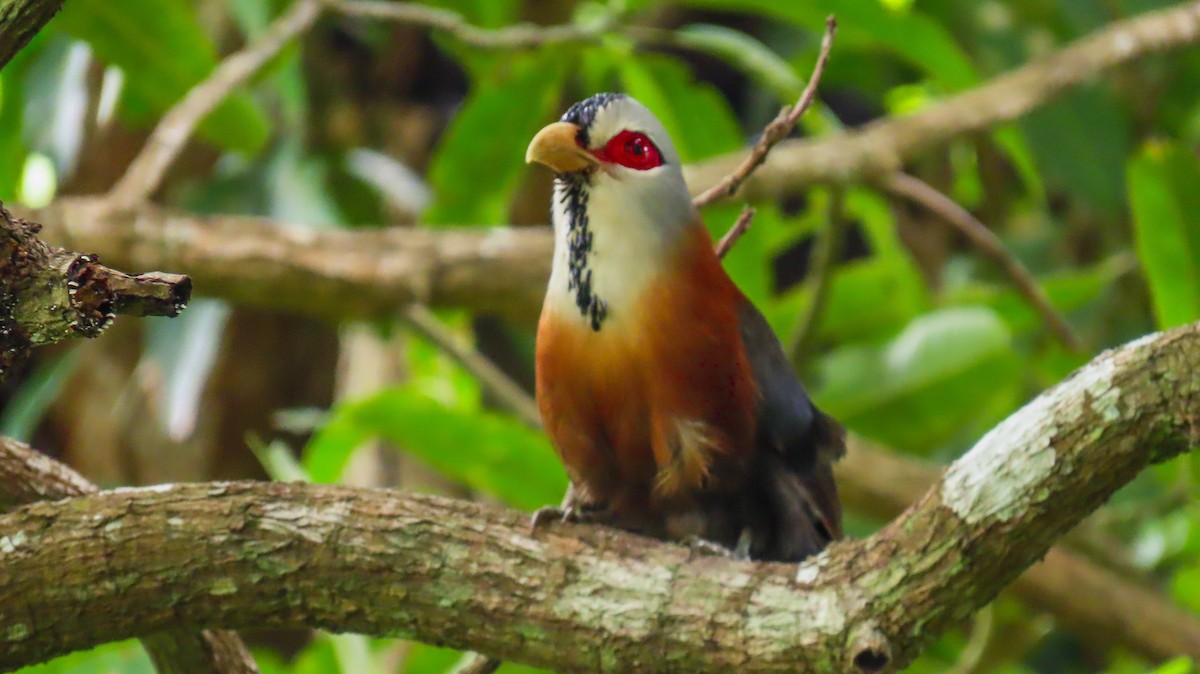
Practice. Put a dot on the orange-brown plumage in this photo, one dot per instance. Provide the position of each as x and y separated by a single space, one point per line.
662 388
624 406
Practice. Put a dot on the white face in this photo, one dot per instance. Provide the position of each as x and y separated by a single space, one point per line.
615 223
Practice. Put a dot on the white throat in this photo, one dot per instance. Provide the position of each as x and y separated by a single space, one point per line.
628 223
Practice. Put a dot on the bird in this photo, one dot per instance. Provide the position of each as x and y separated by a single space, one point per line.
663 390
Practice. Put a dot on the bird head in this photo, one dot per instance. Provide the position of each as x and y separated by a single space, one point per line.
612 140
620 201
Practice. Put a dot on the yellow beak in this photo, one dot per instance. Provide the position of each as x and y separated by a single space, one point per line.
555 146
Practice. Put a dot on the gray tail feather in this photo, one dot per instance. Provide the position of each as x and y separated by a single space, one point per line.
791 513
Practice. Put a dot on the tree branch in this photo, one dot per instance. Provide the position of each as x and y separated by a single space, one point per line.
467 575
146 171
1085 599
779 128
986 241
49 294
882 147
824 262
28 476
519 36
334 274
20 20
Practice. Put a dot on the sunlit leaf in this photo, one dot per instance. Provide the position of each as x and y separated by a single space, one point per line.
1163 195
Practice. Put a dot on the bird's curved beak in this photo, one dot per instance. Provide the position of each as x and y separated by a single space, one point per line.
555 146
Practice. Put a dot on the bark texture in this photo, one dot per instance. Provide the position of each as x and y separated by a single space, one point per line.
28 476
49 294
20 20
333 274
121 563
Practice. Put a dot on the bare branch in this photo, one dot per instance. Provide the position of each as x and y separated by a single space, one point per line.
776 131
881 148
49 294
335 274
736 231
469 576
519 36
28 476
146 171
920 192
20 20
829 247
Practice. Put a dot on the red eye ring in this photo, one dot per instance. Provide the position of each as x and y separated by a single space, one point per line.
631 149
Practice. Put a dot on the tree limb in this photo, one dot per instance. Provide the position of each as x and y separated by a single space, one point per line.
986 241
49 294
881 148
20 20
467 575
28 476
1085 598
336 274
146 171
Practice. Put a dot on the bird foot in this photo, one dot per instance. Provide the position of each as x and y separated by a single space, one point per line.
713 549
568 513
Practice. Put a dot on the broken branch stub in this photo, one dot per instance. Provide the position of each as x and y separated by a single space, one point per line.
49 294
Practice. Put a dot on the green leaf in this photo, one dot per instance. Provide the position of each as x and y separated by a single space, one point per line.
745 53
477 166
492 453
1163 195
1080 142
911 35
1068 290
23 413
163 52
694 113
873 297
926 385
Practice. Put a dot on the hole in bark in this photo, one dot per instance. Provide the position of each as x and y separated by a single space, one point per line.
870 660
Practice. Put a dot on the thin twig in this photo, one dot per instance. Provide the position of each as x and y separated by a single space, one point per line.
518 36
739 228
920 192
777 130
881 147
829 247
507 392
146 172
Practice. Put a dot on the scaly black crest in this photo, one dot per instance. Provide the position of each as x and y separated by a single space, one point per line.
583 113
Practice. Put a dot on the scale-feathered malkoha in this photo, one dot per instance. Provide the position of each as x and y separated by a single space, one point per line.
663 389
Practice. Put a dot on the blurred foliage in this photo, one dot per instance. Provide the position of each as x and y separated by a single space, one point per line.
922 346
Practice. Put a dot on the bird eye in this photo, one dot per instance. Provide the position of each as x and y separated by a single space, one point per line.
631 149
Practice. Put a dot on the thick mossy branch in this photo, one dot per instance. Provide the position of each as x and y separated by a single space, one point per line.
127 562
20 20
28 476
49 294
